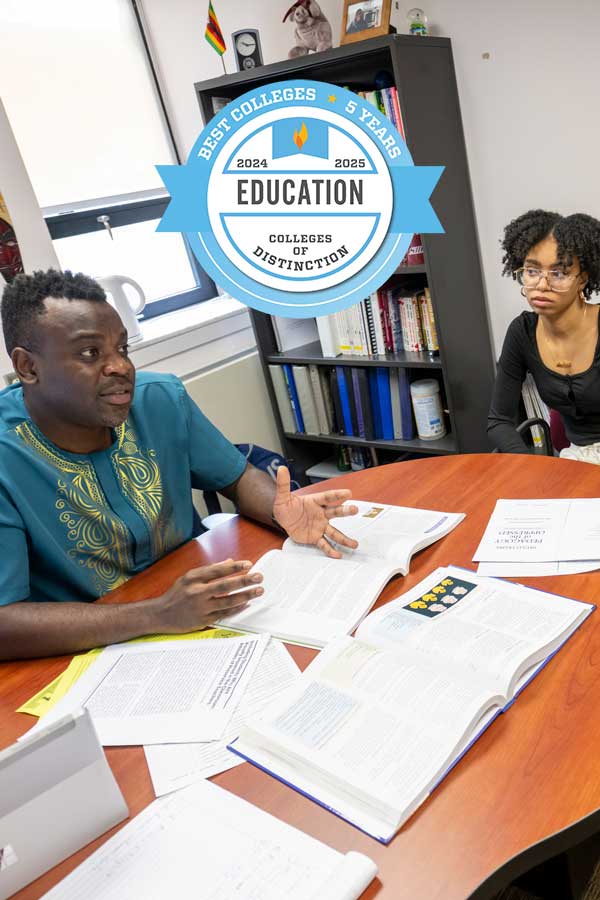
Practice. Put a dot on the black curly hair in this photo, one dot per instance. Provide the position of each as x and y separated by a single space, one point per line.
577 235
23 301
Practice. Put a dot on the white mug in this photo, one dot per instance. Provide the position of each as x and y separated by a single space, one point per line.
113 285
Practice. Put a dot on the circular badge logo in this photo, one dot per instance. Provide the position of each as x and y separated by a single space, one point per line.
300 198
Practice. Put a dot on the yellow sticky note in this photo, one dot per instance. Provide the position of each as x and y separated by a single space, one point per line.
45 699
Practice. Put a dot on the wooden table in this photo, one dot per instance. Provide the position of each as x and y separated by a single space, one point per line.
535 770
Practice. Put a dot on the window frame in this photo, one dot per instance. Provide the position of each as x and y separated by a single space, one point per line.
85 221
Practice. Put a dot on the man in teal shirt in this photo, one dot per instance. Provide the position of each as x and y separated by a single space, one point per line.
96 483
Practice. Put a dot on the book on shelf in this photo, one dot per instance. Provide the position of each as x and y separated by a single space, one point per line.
375 722
310 598
282 397
321 399
306 399
203 841
326 327
292 333
402 412
391 320
372 403
427 318
293 398
387 102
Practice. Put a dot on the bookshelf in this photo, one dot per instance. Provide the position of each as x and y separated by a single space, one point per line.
422 70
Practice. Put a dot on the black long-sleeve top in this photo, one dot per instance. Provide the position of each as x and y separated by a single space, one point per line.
575 397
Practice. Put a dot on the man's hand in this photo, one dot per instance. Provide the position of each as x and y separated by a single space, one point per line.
203 596
306 518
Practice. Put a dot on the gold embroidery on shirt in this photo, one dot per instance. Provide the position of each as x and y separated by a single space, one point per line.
99 539
140 481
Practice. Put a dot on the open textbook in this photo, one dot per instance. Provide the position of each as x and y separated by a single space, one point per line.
375 722
311 599
203 842
163 691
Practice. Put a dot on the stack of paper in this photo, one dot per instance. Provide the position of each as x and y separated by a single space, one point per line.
174 691
149 692
541 537
173 766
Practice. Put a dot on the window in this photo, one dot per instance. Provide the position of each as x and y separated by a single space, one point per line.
79 92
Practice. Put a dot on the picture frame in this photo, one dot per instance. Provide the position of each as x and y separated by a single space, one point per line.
365 19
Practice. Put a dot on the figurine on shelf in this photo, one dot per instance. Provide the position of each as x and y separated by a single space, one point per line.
313 31
417 21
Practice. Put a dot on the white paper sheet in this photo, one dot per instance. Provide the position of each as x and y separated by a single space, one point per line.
204 842
542 531
175 691
174 766
536 569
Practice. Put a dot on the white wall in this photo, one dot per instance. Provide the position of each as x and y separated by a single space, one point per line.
234 398
529 111
176 32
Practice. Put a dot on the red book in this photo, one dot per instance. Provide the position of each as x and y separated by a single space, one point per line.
398 116
385 321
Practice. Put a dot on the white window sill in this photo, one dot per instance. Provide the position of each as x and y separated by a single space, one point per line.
188 342
194 340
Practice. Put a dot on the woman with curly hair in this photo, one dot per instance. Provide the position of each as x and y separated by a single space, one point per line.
556 260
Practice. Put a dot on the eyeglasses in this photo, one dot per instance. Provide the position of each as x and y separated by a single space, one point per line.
556 279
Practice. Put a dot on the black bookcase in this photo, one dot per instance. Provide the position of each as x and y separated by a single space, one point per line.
423 72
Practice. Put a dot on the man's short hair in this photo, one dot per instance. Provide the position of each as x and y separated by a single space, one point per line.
23 301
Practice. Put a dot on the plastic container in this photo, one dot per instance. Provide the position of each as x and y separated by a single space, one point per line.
427 405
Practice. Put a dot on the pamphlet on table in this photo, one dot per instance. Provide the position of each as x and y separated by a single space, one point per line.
375 722
541 531
310 598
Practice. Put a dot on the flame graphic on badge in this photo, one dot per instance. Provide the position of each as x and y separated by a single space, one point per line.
300 137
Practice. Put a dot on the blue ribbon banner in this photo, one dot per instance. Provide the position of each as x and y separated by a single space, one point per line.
300 198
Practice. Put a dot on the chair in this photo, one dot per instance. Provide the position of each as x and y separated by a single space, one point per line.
529 423
267 460
555 438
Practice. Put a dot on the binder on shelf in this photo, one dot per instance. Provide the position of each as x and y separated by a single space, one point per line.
325 381
306 399
336 402
360 384
395 400
327 335
283 398
317 389
293 395
385 404
375 407
368 307
406 414
352 401
344 401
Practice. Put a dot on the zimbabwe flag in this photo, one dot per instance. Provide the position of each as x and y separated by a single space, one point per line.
213 33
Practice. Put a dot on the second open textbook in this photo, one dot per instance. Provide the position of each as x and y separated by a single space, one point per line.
374 723
311 599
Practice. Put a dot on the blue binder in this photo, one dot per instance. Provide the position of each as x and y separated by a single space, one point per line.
385 404
344 400
291 386
408 425
375 409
